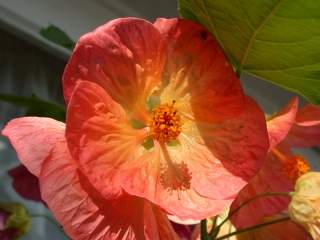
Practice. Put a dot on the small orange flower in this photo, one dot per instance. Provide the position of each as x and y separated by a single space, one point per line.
287 129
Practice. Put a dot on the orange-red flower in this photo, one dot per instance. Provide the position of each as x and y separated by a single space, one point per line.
287 129
157 109
154 111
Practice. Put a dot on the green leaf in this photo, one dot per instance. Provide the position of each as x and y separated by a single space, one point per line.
36 106
275 40
57 36
18 219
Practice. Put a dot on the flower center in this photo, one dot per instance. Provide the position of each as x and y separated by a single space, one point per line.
295 167
165 124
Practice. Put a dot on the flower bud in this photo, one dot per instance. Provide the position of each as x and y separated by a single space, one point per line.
305 204
14 221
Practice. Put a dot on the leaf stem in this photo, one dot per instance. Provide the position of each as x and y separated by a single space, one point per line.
203 230
253 227
266 194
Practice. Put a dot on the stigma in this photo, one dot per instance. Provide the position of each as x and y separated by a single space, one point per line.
165 124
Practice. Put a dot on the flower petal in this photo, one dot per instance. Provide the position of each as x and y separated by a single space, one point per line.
287 230
85 214
306 130
124 56
280 124
28 135
164 179
271 178
241 143
157 225
100 138
197 69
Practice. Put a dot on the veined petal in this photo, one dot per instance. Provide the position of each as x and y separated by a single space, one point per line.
85 214
306 130
287 230
28 135
164 178
271 178
280 124
100 138
240 143
157 225
198 72
124 56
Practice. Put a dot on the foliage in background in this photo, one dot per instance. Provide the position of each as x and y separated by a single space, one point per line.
276 40
36 106
57 36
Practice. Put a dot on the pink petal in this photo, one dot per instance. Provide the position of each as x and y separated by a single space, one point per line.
271 178
169 184
85 214
25 183
124 56
157 225
287 230
197 66
33 138
280 124
99 137
306 130
240 143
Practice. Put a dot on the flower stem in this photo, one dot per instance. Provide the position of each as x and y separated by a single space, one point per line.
253 227
203 230
266 194
214 230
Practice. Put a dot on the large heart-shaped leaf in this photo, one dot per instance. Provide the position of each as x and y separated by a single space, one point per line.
276 40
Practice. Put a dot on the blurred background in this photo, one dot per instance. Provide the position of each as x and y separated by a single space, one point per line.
31 65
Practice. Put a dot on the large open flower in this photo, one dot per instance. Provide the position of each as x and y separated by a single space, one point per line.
287 129
158 109
154 111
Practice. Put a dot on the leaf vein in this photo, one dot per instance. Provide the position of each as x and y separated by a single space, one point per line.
245 55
